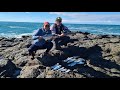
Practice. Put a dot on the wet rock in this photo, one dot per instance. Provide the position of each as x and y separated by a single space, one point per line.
42 75
86 33
22 61
52 58
101 51
33 62
50 74
115 40
30 72
7 68
1 38
26 37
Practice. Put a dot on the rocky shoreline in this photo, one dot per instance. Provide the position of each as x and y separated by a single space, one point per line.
101 52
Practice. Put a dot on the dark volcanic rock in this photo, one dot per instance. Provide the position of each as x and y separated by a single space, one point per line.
101 52
7 68
52 58
30 72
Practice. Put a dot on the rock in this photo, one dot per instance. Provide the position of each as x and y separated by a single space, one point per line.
28 43
6 44
26 37
105 36
22 61
8 39
86 33
98 37
50 74
1 38
42 75
93 52
115 40
25 52
58 74
116 59
1 57
30 72
101 51
18 40
74 50
52 58
33 63
25 44
7 68
79 35
76 75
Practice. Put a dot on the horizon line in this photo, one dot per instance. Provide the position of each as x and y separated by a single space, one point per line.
64 23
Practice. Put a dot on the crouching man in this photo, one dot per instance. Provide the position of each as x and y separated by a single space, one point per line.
59 30
39 42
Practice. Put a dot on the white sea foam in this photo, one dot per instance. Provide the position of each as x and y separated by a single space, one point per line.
13 30
16 27
14 35
25 34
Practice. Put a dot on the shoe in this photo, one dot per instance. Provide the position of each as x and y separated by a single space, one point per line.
32 55
32 58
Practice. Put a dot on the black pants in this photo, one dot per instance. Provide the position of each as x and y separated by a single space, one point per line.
61 41
33 48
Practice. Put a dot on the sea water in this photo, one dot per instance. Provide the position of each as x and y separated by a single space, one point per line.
18 29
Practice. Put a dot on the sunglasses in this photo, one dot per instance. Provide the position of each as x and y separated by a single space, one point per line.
47 25
58 21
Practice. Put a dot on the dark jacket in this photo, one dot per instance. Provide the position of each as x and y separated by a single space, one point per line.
40 32
58 30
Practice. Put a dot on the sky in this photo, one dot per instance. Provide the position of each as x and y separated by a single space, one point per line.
68 17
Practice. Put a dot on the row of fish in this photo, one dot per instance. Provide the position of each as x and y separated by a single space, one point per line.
59 67
71 61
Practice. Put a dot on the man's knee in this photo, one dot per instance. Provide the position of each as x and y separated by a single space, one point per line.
32 48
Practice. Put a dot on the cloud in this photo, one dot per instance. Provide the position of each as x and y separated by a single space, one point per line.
27 12
86 17
57 13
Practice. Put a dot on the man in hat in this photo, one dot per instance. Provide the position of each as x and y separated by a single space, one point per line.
60 31
39 42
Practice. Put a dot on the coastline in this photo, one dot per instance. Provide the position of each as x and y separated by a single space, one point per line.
101 52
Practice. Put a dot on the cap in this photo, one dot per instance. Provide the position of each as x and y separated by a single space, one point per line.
58 19
46 23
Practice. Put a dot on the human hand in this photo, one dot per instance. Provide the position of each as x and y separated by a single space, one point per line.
40 37
61 35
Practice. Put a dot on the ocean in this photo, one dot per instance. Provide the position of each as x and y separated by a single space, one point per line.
18 29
